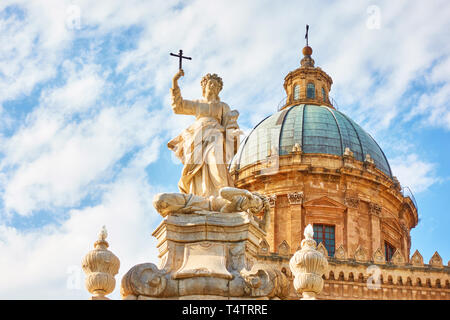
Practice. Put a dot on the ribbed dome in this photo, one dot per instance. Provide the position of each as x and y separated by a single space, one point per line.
317 129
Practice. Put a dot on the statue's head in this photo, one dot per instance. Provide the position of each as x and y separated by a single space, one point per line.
211 85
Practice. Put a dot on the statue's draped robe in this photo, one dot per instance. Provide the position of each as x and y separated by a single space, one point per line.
206 147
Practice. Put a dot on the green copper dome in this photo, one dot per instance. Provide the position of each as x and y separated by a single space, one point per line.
316 129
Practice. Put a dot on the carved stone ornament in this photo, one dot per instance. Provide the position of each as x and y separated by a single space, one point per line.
308 265
436 260
284 249
264 247
229 200
360 254
265 281
340 253
417 259
144 279
397 258
205 259
378 257
295 197
272 200
100 266
321 248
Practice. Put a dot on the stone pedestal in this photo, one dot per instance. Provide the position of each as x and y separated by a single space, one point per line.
206 255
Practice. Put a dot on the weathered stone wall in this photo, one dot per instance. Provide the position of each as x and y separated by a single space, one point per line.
348 279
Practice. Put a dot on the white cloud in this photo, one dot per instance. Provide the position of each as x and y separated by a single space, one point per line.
31 46
76 155
46 263
414 173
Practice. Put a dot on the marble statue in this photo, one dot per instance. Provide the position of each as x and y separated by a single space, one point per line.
229 200
207 146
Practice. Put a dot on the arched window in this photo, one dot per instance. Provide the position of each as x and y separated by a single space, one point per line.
297 92
324 95
311 91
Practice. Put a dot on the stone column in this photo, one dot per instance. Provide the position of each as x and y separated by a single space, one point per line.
308 266
352 238
374 216
295 207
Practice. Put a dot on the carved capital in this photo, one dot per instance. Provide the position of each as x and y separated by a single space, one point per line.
295 197
352 202
374 209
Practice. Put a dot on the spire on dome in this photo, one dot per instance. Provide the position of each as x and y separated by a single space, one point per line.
307 84
307 61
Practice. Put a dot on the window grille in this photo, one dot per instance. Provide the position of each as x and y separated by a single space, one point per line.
296 92
311 91
325 234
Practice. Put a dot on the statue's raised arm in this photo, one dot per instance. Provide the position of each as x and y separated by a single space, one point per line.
177 100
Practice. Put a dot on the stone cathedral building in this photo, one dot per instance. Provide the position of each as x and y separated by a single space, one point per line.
316 166
327 171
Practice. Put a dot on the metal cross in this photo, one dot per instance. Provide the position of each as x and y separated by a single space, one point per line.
180 56
306 35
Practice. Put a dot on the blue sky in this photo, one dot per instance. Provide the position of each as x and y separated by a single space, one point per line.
85 113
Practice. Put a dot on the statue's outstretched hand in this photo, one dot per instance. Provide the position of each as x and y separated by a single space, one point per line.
179 74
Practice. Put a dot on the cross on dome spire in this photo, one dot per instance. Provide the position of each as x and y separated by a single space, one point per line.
306 35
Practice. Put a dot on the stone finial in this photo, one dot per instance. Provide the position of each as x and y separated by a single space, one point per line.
348 152
369 159
296 148
436 260
100 266
308 265
417 259
309 232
